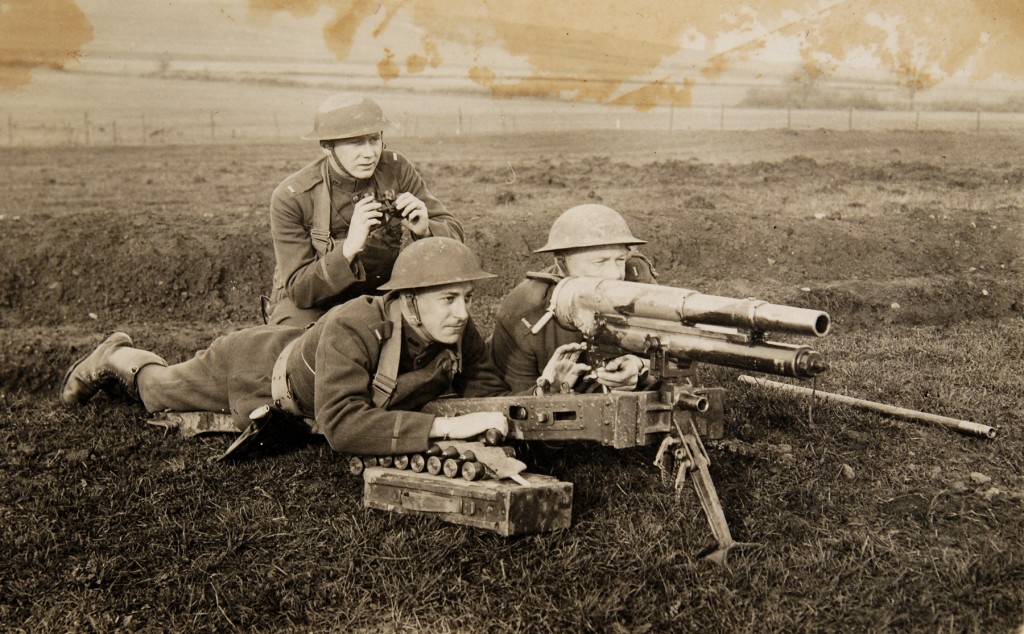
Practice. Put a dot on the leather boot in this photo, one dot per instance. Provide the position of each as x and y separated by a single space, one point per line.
112 363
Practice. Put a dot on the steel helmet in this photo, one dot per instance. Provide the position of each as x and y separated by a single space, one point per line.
346 115
588 226
434 261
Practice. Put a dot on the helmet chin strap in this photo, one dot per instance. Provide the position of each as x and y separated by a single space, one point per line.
560 266
412 315
337 161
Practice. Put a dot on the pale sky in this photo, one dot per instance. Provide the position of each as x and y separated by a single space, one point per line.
601 51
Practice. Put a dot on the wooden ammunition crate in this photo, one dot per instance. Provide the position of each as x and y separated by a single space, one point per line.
502 506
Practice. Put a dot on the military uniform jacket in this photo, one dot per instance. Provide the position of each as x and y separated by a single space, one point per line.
518 355
333 364
312 281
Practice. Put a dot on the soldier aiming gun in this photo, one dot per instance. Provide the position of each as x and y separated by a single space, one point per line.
653 335
590 240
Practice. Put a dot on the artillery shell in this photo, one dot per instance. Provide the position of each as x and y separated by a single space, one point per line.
451 468
473 470
467 456
433 450
369 461
434 465
449 452
493 437
355 465
386 461
402 461
417 462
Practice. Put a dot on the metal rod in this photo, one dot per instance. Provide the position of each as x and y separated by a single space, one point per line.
964 426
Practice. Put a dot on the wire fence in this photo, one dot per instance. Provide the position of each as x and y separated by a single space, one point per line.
87 128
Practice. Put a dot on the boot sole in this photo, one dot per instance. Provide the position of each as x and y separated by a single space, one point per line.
122 336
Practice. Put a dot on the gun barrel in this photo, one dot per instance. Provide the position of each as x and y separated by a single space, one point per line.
679 342
577 299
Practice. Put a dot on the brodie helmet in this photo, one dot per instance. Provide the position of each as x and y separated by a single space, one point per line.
434 261
347 115
588 226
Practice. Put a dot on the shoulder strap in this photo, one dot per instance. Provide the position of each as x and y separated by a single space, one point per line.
386 379
320 232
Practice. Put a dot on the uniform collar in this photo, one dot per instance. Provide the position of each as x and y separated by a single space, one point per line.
418 347
342 181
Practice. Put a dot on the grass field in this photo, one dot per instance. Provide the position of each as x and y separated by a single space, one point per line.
913 242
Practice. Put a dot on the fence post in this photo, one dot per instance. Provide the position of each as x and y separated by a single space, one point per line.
145 132
849 120
977 125
671 117
721 119
917 121
10 130
113 131
789 117
213 127
458 124
86 117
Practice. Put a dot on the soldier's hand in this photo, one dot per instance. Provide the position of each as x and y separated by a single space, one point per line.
621 373
414 214
564 369
366 216
468 425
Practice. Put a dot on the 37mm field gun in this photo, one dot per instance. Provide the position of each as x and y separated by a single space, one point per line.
673 328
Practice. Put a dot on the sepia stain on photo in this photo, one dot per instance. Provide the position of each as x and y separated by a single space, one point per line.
750 276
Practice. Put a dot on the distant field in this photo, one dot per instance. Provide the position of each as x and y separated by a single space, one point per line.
157 110
914 242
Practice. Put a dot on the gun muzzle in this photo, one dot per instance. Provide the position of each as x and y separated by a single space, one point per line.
692 402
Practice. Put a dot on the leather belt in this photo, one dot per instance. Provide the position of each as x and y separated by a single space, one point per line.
280 391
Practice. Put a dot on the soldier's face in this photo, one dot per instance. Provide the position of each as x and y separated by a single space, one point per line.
444 311
608 262
359 155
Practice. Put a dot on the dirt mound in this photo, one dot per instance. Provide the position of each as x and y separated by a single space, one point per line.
905 241
130 268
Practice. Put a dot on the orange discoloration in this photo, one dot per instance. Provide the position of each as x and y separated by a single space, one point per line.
301 8
658 93
386 68
42 33
596 50
415 64
482 75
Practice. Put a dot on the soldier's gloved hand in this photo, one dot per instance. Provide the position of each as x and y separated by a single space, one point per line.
563 369
468 425
621 373
365 216
414 214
